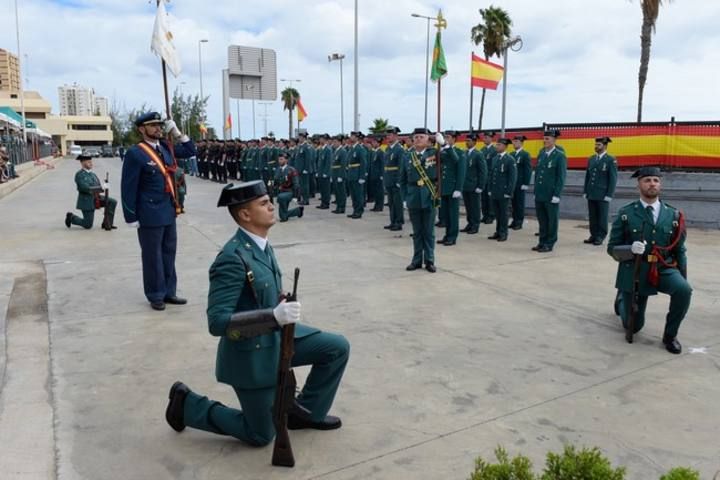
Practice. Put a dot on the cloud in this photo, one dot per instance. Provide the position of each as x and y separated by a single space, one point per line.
579 61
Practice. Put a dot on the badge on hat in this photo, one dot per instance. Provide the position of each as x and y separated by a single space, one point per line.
421 131
148 118
505 141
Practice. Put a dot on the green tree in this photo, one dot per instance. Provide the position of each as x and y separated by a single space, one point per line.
380 125
289 97
587 463
188 113
650 11
492 32
119 125
517 468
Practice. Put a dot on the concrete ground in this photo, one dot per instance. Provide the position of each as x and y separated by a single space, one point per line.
503 346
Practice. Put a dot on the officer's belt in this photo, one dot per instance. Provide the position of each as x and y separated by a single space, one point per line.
354 165
391 169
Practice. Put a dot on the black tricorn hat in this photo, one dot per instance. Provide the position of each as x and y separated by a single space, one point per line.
505 141
522 138
392 129
489 133
452 133
471 136
242 193
551 133
604 140
82 158
647 172
421 131
357 134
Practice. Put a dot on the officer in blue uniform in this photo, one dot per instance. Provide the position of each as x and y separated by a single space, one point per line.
245 310
149 204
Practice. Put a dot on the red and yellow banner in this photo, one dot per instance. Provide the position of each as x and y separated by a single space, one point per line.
485 74
302 113
228 122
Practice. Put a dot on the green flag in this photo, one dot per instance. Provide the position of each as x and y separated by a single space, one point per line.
439 66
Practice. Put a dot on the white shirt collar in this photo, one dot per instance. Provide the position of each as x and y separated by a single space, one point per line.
87 170
655 206
600 155
548 152
153 144
518 150
259 241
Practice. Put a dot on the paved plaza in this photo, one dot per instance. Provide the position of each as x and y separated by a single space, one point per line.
502 346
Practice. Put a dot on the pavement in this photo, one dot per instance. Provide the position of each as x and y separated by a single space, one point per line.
503 346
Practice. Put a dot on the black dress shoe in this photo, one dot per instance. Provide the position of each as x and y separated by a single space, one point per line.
376 209
537 234
441 241
502 238
412 267
356 216
301 212
157 305
396 228
516 227
488 221
440 225
388 227
616 303
449 243
597 242
494 236
300 418
467 227
589 240
338 211
544 249
473 231
175 300
174 414
536 247
672 345
430 268
68 219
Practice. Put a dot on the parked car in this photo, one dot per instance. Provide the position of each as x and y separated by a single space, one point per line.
92 152
107 151
75 150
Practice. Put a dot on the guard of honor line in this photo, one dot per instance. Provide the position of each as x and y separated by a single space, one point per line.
428 175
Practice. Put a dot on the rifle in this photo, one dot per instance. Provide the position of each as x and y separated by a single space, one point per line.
285 390
634 308
106 214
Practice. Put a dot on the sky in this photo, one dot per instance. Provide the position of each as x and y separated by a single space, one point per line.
579 61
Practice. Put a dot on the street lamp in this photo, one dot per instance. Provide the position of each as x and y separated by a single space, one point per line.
251 88
427 59
202 96
340 57
22 91
356 116
183 120
265 115
514 44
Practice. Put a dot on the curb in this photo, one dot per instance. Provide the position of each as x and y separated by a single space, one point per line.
27 172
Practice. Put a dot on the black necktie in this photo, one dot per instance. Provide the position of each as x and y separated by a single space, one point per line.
651 213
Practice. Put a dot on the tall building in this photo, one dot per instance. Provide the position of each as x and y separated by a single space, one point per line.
102 107
9 71
76 100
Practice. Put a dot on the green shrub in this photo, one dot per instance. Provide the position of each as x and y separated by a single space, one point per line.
586 464
681 473
519 468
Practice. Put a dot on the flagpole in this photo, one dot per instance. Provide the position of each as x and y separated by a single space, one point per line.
171 146
472 90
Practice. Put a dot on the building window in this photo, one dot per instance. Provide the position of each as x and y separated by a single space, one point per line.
88 127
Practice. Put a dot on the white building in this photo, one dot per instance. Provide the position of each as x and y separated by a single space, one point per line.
102 107
76 100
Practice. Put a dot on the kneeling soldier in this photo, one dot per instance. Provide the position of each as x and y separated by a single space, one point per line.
648 241
245 310
288 186
90 198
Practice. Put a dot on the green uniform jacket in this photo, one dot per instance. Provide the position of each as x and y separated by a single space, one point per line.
357 163
286 180
490 153
312 159
393 161
302 158
600 177
87 185
454 167
502 176
550 175
524 168
415 195
632 224
325 160
476 175
377 164
339 165
249 363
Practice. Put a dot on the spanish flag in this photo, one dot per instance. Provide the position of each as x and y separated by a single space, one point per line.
203 129
302 113
228 122
485 74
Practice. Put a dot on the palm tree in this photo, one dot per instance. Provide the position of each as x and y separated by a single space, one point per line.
289 97
493 32
380 125
651 10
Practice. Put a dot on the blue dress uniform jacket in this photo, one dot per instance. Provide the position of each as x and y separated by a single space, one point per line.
144 198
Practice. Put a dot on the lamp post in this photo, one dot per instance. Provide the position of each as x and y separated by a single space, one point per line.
202 96
514 44
340 57
265 115
22 92
427 59
356 101
183 120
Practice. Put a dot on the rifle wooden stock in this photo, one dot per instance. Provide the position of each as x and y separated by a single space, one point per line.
285 391
634 307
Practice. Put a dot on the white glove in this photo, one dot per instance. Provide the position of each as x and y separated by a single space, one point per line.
524 187
361 181
638 248
106 186
287 312
456 194
506 196
478 190
585 196
324 176
397 185
440 139
555 200
405 205
339 180
134 224
608 199
380 178
304 172
172 129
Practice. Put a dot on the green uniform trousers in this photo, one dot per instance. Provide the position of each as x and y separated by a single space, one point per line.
395 205
518 208
324 187
450 216
547 215
488 214
422 220
284 199
340 196
471 200
376 194
357 194
500 206
88 217
327 353
680 291
305 187
598 215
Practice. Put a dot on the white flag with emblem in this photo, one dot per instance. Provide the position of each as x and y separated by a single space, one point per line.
162 41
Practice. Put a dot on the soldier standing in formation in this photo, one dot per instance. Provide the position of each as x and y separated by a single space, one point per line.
599 188
391 179
549 183
90 197
418 177
339 174
501 186
489 152
475 180
524 176
452 178
376 190
357 174
324 171
654 231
